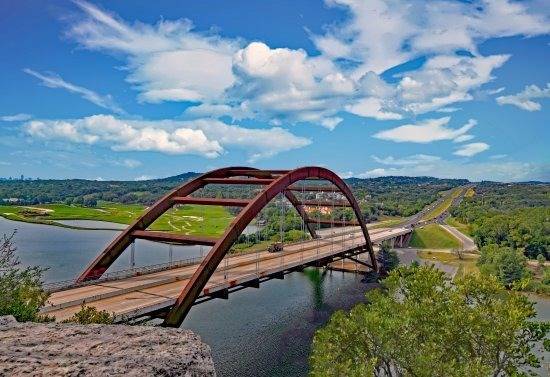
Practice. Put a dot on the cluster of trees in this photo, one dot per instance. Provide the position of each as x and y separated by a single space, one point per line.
384 196
85 192
509 215
509 266
422 323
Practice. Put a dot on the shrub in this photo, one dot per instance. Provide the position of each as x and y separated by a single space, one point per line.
89 314
21 293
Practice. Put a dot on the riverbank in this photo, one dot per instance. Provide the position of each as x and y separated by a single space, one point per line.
467 263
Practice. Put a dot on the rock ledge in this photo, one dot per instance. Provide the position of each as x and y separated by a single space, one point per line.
55 349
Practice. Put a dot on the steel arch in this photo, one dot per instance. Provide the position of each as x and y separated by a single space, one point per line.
195 285
106 258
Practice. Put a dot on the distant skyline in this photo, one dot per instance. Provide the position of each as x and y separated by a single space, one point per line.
133 90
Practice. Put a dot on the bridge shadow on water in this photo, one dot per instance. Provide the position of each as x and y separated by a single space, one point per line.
268 331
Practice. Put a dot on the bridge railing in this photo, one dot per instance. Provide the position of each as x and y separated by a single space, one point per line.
116 275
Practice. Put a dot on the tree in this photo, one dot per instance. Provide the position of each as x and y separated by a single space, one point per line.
459 252
507 264
424 324
21 293
387 258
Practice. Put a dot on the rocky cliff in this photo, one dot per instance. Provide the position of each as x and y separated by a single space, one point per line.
55 349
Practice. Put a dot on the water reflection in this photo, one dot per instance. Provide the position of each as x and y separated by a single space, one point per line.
316 277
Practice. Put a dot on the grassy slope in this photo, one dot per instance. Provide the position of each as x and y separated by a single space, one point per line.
433 237
464 228
444 205
465 265
188 219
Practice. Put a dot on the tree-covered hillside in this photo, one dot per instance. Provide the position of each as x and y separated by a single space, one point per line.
515 215
385 196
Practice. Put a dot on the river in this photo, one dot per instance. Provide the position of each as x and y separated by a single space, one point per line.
257 332
264 331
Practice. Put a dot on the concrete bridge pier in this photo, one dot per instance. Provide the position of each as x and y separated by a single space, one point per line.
402 240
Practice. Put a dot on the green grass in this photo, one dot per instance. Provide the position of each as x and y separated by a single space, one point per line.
195 219
444 205
187 219
433 237
388 222
464 228
466 265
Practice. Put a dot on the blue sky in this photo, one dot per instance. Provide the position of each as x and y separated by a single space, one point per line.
140 89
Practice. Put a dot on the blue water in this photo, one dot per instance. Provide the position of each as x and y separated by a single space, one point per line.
257 332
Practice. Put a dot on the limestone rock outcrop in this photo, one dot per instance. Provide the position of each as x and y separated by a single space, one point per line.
55 349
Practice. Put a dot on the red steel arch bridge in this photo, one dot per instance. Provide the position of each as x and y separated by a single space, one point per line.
168 291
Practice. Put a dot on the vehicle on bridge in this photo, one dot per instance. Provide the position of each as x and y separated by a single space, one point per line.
275 247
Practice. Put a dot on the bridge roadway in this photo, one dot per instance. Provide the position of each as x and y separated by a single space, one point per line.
136 296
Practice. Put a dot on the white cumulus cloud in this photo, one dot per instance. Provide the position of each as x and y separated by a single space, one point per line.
172 61
205 137
380 34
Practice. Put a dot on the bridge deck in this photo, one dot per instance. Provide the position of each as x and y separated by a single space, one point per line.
139 295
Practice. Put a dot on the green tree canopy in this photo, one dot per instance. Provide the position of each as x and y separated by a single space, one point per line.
424 324
507 264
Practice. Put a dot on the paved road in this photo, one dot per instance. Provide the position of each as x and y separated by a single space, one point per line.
137 295
468 244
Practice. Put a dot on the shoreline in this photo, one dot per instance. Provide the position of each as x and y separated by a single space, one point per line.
58 224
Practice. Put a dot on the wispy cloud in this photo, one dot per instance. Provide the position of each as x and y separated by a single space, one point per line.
128 163
168 61
405 161
52 80
463 138
425 131
524 99
505 171
21 117
469 150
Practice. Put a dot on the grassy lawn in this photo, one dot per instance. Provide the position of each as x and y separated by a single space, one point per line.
195 219
470 193
188 219
464 228
433 237
466 265
444 205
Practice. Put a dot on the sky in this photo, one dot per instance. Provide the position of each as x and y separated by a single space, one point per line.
133 90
